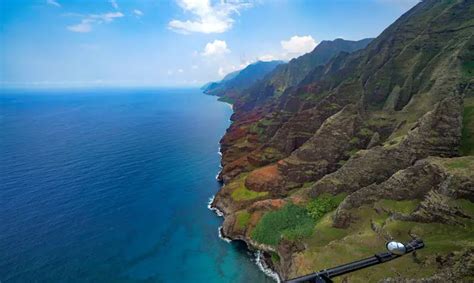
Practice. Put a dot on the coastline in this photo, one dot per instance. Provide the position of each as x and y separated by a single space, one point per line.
259 257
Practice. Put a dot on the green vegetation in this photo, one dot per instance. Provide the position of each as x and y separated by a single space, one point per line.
307 184
242 193
466 205
401 206
291 222
365 132
242 219
352 152
226 99
458 164
325 232
461 166
275 257
260 126
468 69
318 207
354 141
331 246
467 140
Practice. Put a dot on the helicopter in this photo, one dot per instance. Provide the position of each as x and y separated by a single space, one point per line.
395 250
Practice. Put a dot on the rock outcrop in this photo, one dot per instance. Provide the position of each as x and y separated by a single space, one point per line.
373 134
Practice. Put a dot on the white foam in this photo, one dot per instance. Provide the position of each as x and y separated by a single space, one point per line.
228 240
215 209
264 268
258 255
230 105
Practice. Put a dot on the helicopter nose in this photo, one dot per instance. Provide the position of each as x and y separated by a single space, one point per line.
396 248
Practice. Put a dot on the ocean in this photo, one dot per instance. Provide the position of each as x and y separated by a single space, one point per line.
112 185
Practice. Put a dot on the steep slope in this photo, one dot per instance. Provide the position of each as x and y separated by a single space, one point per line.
297 69
239 80
363 149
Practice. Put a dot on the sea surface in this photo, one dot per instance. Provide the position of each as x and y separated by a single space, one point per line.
112 185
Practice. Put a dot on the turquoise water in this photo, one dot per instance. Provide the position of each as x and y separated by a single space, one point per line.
112 186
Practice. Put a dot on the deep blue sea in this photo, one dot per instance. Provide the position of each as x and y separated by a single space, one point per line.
104 185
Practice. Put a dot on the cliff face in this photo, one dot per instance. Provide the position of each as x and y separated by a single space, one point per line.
291 74
361 149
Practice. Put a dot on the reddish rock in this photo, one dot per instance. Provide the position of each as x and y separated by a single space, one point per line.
264 179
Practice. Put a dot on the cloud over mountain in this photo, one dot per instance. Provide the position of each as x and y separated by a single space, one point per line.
207 17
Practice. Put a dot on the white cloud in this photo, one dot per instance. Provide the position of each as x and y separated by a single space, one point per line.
84 26
107 17
221 72
114 4
217 47
87 23
267 57
226 69
180 71
291 48
298 45
208 17
53 3
194 67
138 12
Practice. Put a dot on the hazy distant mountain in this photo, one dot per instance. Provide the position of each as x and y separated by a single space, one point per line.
240 80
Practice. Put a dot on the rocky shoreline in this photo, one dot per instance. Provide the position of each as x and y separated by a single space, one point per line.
261 257
370 146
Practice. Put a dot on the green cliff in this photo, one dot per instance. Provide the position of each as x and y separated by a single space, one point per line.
326 160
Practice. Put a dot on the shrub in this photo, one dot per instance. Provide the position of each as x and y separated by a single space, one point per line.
275 257
322 205
290 222
467 139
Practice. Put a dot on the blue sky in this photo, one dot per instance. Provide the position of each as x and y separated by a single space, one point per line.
170 43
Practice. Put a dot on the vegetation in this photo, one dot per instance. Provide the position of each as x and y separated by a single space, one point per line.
242 219
462 166
331 246
468 69
275 257
401 206
365 132
242 193
458 164
293 222
290 222
467 140
318 207
226 99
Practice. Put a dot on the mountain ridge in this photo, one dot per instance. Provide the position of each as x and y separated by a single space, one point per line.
361 127
237 81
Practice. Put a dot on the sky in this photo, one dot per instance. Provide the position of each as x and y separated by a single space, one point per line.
170 43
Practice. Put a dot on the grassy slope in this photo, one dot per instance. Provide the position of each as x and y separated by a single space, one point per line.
331 246
467 141
240 191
